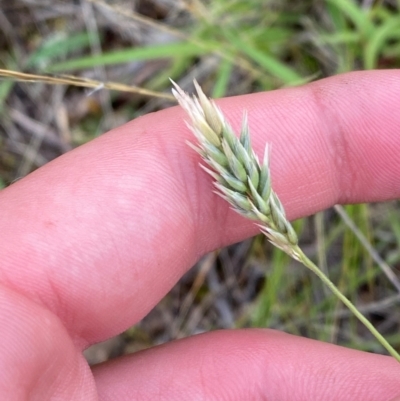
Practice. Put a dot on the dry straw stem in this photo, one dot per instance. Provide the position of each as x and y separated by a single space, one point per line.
78 81
245 183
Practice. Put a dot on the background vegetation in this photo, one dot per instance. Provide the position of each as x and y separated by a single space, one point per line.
230 47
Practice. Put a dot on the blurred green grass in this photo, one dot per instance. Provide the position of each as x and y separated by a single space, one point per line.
235 47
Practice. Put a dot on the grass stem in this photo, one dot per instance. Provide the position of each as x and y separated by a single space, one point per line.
325 279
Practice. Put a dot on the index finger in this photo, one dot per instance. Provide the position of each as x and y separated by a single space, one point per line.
111 226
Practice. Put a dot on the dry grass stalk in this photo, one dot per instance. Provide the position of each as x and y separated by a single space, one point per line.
82 82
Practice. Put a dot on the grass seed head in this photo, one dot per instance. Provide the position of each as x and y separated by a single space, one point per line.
239 177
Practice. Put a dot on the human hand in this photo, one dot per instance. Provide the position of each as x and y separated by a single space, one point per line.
93 240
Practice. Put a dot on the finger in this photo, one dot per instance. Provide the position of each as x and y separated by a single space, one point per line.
249 365
102 233
38 359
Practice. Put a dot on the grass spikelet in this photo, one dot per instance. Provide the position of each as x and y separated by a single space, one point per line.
245 183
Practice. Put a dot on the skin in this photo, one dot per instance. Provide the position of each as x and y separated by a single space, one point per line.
93 240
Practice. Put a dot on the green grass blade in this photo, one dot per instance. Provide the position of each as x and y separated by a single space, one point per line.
269 295
359 17
389 30
57 46
137 53
223 75
270 63
345 37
